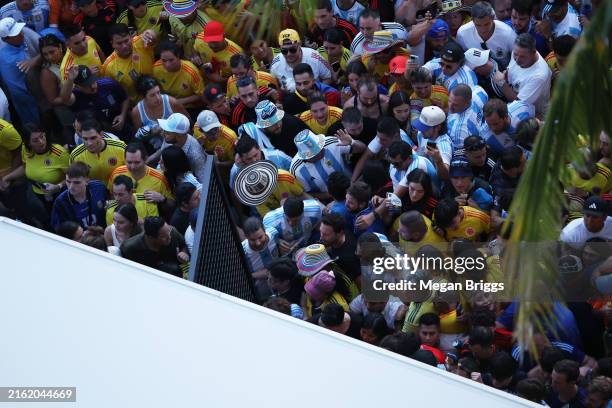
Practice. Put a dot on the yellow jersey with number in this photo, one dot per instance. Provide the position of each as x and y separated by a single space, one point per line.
101 164
49 167
153 180
220 60
182 84
143 208
438 92
91 57
333 115
226 140
261 78
126 70
10 140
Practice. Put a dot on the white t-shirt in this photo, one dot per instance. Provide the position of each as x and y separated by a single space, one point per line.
358 305
575 233
500 43
284 73
531 84
398 31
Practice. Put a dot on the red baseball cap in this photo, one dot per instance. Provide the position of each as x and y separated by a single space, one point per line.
398 64
213 32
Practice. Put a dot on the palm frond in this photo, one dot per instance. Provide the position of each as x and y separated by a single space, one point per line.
580 109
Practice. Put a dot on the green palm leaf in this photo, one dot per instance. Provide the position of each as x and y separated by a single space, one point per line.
580 109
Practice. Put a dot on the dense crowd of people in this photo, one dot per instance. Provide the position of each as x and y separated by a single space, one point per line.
362 130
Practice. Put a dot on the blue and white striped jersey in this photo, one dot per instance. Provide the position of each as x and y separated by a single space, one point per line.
276 220
278 157
464 124
445 145
479 98
464 75
261 259
518 111
375 146
423 163
313 175
570 25
37 18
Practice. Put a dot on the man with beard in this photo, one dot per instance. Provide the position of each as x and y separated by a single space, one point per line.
371 105
249 95
296 102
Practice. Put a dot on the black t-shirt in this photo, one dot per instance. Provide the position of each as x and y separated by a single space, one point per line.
97 28
346 258
136 249
180 220
353 329
105 103
284 140
293 104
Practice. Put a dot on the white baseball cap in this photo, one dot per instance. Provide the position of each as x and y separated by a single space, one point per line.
176 123
475 57
208 120
10 28
430 116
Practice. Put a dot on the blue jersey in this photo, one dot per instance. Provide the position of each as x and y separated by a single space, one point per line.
517 111
15 81
444 144
276 220
89 212
418 162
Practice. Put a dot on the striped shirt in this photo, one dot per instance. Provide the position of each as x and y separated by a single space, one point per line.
570 25
375 146
418 162
351 15
464 75
278 157
36 18
258 260
399 33
518 111
445 145
464 124
313 176
479 98
310 219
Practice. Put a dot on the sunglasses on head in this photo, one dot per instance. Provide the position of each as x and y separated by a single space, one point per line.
290 50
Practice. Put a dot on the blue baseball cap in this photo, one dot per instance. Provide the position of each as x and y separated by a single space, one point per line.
439 29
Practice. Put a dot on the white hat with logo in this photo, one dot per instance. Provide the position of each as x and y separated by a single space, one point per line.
475 57
208 120
10 28
176 123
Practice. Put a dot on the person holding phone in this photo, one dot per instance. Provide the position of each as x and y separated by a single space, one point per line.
432 140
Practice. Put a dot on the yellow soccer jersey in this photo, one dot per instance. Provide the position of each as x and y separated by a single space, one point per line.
153 180
227 139
182 84
261 78
49 167
344 59
599 182
186 34
220 60
149 21
430 238
333 115
438 93
10 140
101 164
91 57
287 186
143 208
473 224
126 70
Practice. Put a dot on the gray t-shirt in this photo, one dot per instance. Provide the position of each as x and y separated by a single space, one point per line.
195 154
